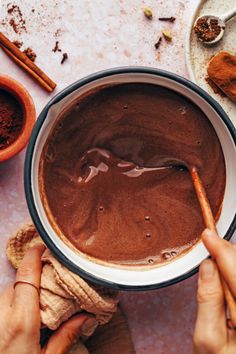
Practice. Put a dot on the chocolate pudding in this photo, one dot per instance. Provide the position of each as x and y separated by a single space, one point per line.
100 183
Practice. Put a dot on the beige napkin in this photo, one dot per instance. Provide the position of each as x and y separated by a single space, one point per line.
62 293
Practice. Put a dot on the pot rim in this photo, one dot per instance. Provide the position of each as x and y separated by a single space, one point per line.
28 167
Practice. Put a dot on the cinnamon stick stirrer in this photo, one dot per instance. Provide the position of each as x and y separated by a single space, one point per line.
24 62
210 224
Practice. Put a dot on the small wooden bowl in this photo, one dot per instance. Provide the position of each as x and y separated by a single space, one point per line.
23 97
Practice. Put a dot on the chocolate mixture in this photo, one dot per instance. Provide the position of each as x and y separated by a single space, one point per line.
11 119
99 178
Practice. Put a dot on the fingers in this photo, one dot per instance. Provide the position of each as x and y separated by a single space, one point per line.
224 254
30 268
67 334
210 331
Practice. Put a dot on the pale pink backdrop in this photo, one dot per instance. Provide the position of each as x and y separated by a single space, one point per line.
99 34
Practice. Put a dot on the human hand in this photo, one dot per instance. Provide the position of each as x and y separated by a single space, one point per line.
20 314
213 333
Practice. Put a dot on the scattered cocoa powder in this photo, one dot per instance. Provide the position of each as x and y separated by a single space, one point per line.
11 119
64 58
14 25
30 54
11 8
16 20
18 44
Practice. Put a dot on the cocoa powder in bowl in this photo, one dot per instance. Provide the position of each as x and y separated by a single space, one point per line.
11 119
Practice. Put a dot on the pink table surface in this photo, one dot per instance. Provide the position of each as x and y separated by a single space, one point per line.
99 34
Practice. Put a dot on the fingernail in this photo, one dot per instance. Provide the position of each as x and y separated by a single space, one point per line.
88 326
207 270
209 233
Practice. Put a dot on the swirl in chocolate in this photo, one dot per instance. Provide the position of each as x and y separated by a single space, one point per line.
100 182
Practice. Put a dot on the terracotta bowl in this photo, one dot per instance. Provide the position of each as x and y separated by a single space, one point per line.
27 104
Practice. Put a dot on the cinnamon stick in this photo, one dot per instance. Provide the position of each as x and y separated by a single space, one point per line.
28 70
203 200
24 62
210 224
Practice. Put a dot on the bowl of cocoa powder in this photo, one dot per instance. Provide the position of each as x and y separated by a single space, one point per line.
17 117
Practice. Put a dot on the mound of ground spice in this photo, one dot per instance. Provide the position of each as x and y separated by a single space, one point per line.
11 119
214 87
222 72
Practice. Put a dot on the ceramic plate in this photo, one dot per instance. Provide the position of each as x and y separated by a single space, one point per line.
198 55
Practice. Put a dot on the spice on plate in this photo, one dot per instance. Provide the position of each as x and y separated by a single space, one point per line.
64 58
148 13
30 54
214 87
207 29
222 71
167 35
157 44
11 119
167 19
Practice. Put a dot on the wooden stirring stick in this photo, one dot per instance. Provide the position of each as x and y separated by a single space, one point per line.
210 224
24 62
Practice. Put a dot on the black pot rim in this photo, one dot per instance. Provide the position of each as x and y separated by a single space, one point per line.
28 164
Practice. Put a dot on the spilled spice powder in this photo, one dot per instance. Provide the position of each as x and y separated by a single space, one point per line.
30 54
16 21
18 44
11 119
13 24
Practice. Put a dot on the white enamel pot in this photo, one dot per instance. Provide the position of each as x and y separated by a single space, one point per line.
117 276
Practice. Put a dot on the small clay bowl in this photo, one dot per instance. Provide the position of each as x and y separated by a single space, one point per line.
23 97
